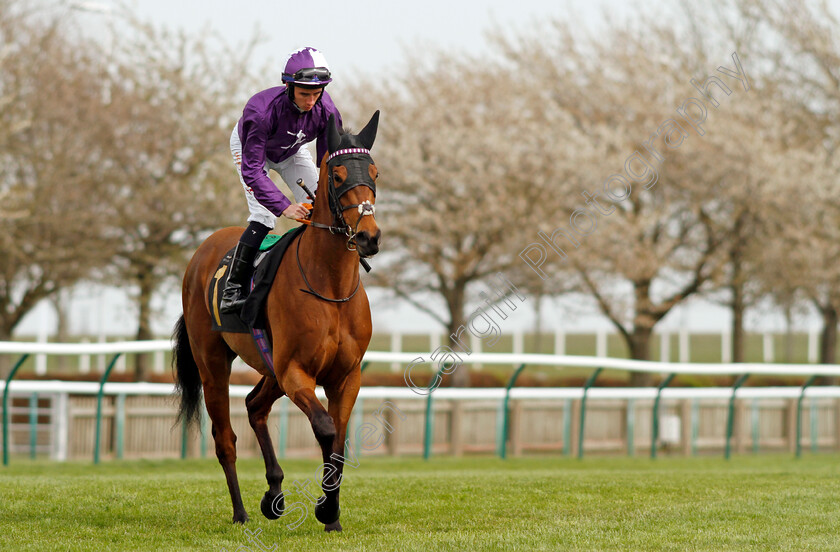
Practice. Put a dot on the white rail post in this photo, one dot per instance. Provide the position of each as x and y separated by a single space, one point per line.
159 362
601 343
61 426
665 347
434 340
726 346
685 347
84 360
559 342
396 347
100 359
41 359
121 364
475 345
767 342
813 346
518 343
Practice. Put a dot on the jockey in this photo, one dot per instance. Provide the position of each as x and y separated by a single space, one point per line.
275 124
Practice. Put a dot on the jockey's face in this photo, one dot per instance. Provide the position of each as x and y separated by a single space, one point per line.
305 98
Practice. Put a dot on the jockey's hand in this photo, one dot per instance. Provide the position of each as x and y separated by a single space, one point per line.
295 211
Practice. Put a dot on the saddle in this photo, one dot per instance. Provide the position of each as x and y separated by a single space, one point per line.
265 267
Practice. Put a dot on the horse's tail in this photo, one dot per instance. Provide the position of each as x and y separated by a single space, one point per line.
187 378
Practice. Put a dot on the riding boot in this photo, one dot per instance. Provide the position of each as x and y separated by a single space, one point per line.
236 290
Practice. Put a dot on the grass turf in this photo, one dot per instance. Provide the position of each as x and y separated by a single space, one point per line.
766 502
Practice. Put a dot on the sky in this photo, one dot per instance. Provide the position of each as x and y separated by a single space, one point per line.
362 35
370 37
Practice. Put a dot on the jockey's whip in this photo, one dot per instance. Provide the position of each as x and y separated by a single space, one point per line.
311 196
305 189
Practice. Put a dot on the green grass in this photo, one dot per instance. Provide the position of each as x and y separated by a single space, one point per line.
550 503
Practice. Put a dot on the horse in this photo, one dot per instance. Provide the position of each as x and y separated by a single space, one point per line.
317 317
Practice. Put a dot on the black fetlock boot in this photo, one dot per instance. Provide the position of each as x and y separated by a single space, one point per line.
236 290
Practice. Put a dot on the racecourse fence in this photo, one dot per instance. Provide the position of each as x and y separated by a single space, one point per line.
77 420
676 345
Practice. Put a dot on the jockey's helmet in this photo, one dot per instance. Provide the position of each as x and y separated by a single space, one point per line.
307 67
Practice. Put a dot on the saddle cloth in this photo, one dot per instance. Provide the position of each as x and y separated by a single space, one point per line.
265 267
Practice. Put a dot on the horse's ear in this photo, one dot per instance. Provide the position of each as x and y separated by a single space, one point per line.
368 134
333 137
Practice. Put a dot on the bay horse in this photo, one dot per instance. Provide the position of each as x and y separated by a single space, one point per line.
317 318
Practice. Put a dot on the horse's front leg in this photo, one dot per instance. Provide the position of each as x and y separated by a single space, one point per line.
300 387
259 403
341 401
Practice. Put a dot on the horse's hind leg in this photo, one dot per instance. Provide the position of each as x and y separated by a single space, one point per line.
214 366
259 403
218 408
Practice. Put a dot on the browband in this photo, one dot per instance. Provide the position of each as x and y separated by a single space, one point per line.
336 153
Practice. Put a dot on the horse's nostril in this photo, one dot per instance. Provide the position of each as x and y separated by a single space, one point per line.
368 244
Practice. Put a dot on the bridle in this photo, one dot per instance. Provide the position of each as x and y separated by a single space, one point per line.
357 175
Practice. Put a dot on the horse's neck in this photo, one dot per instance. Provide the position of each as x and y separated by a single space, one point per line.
326 256
321 208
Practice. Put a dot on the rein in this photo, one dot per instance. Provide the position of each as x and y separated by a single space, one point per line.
333 229
311 291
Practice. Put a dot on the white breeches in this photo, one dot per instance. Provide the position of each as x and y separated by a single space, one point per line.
300 165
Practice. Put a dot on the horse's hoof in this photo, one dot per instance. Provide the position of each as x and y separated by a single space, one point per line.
333 527
272 506
326 515
240 518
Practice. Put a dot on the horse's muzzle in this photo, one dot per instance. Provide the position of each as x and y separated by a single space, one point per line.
368 245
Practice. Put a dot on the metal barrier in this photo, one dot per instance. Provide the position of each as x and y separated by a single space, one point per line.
99 396
503 395
654 431
586 386
503 429
562 396
799 416
6 386
730 419
428 421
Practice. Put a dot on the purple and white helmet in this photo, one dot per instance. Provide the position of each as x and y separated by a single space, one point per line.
307 67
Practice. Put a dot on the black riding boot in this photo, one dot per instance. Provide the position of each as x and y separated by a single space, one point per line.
236 289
